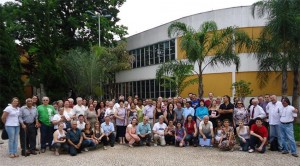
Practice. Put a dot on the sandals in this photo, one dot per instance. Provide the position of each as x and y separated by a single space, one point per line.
16 155
11 156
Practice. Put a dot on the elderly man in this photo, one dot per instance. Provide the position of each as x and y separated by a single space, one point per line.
272 109
79 109
109 132
75 140
209 100
71 102
179 112
206 131
159 131
144 131
45 114
255 112
28 119
149 111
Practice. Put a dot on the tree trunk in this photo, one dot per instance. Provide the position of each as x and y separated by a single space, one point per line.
200 90
284 82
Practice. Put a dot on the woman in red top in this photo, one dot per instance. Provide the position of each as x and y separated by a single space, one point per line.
191 131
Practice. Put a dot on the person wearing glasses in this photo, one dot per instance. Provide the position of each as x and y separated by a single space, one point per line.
45 114
240 113
144 131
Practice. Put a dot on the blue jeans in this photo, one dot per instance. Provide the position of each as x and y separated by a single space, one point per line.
287 134
275 132
89 143
13 135
243 145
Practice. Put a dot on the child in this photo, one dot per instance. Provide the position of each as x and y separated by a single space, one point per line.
180 135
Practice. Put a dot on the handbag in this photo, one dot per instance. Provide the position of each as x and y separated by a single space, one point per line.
4 134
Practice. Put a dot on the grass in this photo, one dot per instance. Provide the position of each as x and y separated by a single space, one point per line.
297 131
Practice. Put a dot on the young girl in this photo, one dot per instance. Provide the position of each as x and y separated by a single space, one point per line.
244 135
59 139
87 134
99 134
180 135
218 131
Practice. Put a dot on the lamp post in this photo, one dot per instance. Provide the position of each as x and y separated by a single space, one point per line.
98 15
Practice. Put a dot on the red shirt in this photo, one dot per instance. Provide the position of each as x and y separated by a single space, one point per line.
261 131
190 128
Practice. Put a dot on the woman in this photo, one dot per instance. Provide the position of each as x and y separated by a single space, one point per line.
131 113
68 113
10 118
180 135
170 133
91 115
191 128
157 112
243 133
139 109
59 139
218 131
120 115
135 101
240 113
227 140
219 101
170 114
101 112
87 135
213 113
131 135
129 100
98 135
200 112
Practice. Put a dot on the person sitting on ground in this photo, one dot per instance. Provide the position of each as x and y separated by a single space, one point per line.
206 131
191 128
59 139
144 131
200 112
218 131
131 134
227 140
244 135
75 139
80 122
98 134
258 136
180 135
108 129
159 131
170 133
87 134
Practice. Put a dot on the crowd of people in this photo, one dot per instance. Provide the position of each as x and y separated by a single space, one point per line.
177 121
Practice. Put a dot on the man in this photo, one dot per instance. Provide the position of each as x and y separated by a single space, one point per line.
71 101
226 109
195 101
149 111
80 122
272 109
258 136
28 120
108 129
179 113
210 99
79 109
206 130
45 114
190 96
188 110
159 131
59 117
75 139
255 112
144 131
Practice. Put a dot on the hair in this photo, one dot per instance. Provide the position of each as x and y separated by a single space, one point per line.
227 97
137 121
98 125
80 116
211 103
258 118
287 100
178 122
169 106
186 121
60 123
121 101
226 120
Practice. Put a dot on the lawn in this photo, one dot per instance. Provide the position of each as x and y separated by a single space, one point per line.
297 131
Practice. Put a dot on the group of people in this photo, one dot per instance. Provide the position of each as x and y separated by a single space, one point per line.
177 121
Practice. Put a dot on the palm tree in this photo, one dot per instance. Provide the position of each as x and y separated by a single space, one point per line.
176 73
278 47
208 40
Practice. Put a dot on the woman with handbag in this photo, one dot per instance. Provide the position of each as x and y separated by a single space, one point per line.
10 118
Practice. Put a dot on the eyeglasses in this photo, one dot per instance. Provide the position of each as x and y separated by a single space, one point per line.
45 100
240 103
146 119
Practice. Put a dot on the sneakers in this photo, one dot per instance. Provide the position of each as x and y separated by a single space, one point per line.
295 155
85 149
241 149
155 145
285 152
104 147
250 150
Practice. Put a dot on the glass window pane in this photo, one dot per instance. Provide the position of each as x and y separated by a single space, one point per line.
161 53
156 56
151 55
142 57
147 56
138 58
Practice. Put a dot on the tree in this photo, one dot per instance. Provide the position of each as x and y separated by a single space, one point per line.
208 40
242 89
176 73
278 47
10 73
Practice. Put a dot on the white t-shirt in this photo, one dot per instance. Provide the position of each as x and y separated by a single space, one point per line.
286 114
79 110
57 117
109 111
68 115
80 126
159 128
273 111
13 116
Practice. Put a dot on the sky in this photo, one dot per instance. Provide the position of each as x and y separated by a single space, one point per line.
141 15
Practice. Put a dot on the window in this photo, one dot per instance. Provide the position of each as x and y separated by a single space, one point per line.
172 49
142 57
138 58
167 51
151 55
147 62
156 56
161 53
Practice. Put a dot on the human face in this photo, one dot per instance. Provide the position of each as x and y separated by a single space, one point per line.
214 103
34 99
267 98
226 123
91 107
67 104
225 99
206 120
201 103
74 125
81 118
107 119
135 101
61 126
96 125
241 123
29 102
210 96
161 120
45 100
79 101
84 102
187 105
219 123
121 104
88 126
239 104
171 107
15 102
134 121
54 105
178 125
101 104
61 111
145 120
95 103
258 123
190 118
260 99
179 105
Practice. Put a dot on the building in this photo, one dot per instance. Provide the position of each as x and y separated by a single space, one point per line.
153 47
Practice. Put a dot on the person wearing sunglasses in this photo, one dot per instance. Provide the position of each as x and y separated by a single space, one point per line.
240 113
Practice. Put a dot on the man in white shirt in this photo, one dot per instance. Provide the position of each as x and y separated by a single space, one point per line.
188 110
272 109
149 111
255 112
80 122
159 131
79 109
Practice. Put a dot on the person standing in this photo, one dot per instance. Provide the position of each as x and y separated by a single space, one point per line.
179 113
79 109
209 100
45 114
149 111
287 115
226 110
10 119
255 112
28 120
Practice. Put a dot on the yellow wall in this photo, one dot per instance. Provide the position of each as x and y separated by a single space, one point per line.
220 84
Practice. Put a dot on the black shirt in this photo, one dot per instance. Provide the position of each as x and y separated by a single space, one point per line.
227 107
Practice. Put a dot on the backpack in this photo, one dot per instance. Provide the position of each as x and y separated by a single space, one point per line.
274 145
